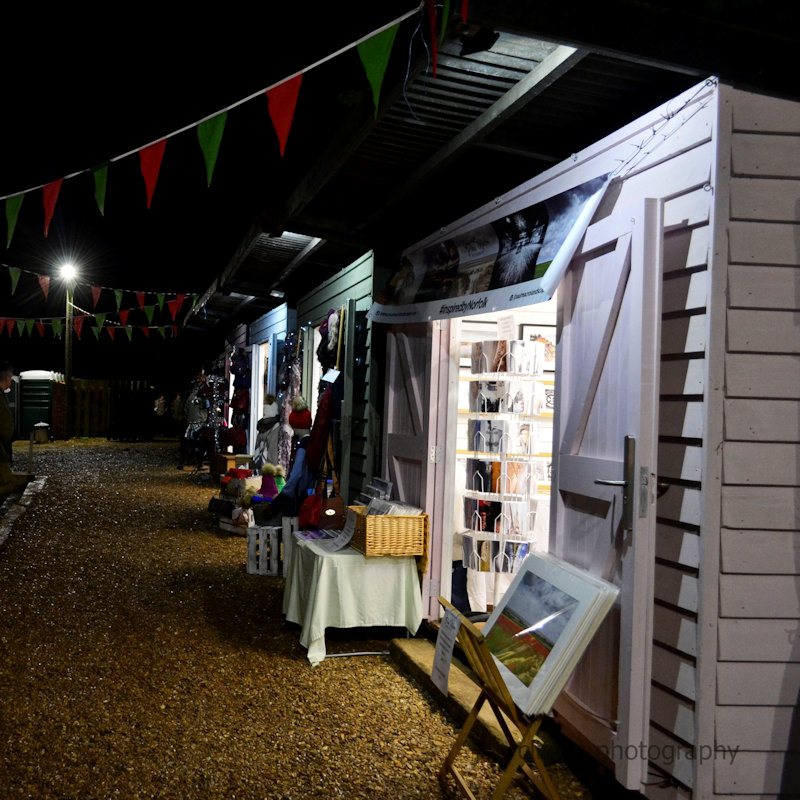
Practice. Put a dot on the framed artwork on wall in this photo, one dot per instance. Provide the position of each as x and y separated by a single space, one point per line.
545 334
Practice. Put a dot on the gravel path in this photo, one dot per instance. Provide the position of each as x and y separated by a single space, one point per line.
140 660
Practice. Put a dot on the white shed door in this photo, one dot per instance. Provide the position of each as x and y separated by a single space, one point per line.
606 394
408 360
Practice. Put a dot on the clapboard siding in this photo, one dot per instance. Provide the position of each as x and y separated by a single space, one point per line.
763 243
760 683
762 155
685 376
682 413
762 420
765 200
760 596
761 552
759 330
759 463
675 671
760 640
775 507
762 774
773 377
676 587
681 335
677 546
679 461
280 321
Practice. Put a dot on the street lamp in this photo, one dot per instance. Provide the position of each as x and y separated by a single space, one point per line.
68 274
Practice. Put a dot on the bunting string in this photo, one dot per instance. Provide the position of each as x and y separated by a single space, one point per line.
150 153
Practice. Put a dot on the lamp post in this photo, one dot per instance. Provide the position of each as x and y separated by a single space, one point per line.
68 273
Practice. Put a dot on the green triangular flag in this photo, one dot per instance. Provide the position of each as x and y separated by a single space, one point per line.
129 331
160 298
100 183
118 295
445 18
20 326
13 205
209 133
58 328
148 310
162 332
374 55
29 326
100 320
14 272
97 332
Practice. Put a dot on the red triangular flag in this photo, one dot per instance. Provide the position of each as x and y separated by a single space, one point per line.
123 315
150 163
50 195
464 4
111 331
175 305
141 298
174 330
96 294
434 42
146 331
77 323
40 328
44 282
10 326
282 100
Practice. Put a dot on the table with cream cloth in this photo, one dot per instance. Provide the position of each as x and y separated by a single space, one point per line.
345 589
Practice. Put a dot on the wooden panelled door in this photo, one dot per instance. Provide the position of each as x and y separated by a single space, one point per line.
416 372
606 403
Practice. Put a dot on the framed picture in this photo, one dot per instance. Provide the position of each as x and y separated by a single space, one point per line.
545 334
541 627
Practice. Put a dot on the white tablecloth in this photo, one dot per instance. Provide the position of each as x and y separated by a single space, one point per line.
347 590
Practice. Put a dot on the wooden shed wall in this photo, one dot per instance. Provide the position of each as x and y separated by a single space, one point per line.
758 669
353 283
279 321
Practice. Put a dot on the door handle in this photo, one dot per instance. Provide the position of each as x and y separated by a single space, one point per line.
628 483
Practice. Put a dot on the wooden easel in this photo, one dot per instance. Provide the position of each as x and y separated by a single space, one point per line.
495 692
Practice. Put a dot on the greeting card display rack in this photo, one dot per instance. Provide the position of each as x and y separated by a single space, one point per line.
505 448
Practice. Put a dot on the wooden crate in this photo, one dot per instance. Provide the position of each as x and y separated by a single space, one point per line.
264 550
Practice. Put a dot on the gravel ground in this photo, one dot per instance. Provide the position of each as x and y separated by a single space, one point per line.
140 660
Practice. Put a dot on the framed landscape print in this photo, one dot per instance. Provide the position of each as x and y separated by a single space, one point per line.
542 626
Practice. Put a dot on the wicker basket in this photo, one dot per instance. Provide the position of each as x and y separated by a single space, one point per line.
389 534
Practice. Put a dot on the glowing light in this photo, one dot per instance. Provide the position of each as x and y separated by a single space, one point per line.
68 272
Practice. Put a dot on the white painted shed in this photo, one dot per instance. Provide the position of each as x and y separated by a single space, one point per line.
678 325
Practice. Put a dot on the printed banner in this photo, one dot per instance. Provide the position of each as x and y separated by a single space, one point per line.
515 260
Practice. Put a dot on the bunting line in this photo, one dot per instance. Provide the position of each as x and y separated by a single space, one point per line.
238 103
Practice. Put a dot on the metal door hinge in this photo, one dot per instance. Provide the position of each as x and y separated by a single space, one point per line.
436 455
